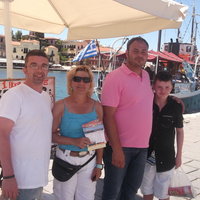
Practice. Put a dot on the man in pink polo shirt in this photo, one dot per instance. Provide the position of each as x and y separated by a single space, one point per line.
127 100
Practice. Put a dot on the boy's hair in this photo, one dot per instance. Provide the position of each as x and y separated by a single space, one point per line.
140 39
163 76
35 52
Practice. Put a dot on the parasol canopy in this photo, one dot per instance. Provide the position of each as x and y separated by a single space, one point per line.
91 19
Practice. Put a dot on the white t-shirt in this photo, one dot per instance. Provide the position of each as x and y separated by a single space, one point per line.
30 137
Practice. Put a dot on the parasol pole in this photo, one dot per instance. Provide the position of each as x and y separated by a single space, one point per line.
7 30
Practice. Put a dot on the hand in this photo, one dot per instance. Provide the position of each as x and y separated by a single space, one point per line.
81 142
9 189
179 101
96 174
118 158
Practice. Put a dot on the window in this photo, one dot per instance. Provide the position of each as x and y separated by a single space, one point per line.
25 50
188 48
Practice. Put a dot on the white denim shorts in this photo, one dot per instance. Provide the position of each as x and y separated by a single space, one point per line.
156 183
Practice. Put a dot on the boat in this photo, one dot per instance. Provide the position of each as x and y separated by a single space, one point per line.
188 87
56 67
17 64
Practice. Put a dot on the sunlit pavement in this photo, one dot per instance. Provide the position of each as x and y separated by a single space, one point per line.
191 160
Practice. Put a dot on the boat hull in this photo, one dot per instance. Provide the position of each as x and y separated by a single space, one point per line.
191 101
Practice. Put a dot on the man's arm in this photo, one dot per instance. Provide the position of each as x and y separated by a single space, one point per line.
111 130
99 152
9 186
179 139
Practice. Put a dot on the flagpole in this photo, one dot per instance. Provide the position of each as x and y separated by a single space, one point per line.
99 54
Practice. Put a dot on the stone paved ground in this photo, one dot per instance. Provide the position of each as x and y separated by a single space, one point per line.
191 159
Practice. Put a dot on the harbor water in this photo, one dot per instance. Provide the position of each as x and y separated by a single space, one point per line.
60 81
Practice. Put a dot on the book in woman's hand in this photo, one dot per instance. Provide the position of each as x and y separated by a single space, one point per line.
94 130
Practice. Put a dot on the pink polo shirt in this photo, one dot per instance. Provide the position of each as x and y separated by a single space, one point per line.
133 98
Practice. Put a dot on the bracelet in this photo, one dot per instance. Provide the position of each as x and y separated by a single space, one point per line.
8 177
99 166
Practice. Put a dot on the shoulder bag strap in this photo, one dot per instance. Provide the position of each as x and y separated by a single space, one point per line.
88 161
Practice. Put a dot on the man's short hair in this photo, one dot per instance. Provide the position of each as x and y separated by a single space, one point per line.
35 52
163 76
140 39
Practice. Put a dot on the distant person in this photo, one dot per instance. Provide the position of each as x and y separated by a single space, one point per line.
25 132
150 72
127 100
69 114
167 122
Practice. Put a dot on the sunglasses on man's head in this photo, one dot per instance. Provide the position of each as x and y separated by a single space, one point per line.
79 79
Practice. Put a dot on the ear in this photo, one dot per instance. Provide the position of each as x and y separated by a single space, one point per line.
25 70
153 88
172 88
126 53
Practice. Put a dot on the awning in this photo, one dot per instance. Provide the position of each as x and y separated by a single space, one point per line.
174 56
166 56
190 62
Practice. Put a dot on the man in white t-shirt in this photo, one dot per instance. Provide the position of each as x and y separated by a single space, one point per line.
25 132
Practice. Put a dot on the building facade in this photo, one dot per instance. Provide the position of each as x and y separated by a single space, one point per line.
20 49
2 47
52 53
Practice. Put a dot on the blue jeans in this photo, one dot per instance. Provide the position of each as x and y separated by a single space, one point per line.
30 194
123 183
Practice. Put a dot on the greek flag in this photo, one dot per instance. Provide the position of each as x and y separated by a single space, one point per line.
89 51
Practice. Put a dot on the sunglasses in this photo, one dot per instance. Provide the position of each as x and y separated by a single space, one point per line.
79 79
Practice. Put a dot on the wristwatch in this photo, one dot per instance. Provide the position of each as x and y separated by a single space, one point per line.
99 166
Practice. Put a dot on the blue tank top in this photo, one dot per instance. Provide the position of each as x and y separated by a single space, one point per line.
71 126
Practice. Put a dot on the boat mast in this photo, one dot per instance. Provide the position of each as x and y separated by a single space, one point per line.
178 34
193 39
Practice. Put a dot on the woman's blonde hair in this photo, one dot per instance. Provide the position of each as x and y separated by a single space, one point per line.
72 73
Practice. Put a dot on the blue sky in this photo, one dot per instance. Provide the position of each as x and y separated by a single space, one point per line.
152 37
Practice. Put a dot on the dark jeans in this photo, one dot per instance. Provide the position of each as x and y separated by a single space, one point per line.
30 194
123 183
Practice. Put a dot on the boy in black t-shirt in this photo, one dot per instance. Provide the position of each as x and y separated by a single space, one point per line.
167 122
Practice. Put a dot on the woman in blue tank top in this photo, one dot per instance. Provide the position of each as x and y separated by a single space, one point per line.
70 114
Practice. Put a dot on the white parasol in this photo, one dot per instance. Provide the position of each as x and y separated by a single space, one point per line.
90 19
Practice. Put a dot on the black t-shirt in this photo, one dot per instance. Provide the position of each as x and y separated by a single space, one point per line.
163 134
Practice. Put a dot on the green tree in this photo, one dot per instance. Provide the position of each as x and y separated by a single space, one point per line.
38 35
18 35
59 45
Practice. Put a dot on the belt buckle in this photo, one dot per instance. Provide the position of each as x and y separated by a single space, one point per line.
63 150
82 153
